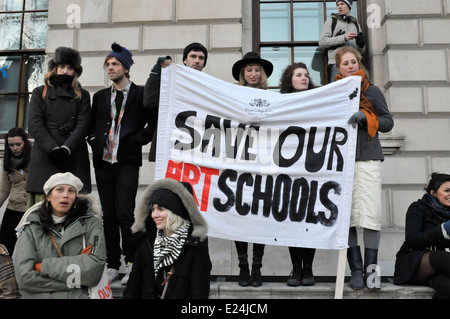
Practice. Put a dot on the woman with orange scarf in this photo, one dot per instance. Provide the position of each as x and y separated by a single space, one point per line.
373 117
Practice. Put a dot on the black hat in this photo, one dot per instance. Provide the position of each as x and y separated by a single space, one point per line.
347 2
64 55
196 47
251 57
166 198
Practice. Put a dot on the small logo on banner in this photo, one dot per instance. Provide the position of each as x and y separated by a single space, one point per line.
258 107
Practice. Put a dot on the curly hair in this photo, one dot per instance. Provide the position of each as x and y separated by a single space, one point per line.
286 79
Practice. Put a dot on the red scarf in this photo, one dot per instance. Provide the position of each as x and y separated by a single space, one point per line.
365 105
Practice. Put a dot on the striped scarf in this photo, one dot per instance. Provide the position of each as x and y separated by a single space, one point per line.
167 249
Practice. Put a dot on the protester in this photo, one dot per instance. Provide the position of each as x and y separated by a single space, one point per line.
58 122
340 30
251 71
423 258
172 246
195 56
68 219
119 128
8 284
373 117
295 78
14 178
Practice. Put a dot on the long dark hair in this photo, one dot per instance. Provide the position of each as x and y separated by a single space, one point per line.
78 209
286 79
26 154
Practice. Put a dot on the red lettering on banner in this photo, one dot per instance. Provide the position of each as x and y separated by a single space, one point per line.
192 174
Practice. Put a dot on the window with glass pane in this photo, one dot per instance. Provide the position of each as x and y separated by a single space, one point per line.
23 33
289 32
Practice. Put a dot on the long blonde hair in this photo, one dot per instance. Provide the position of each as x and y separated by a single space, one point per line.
76 86
262 80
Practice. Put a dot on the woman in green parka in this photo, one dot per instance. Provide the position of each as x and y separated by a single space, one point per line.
71 219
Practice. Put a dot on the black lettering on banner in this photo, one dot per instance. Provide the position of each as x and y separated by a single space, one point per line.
281 193
287 162
297 212
243 208
222 185
180 123
265 196
327 203
314 161
215 133
334 149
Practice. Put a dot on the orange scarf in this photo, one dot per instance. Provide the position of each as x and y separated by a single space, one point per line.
365 105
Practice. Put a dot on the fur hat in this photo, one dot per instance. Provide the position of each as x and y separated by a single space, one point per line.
196 47
251 57
121 54
64 55
62 179
183 193
348 2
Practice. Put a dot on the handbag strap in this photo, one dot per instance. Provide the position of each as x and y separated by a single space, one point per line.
165 283
55 244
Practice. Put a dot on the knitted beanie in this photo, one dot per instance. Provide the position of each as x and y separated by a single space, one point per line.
348 2
171 201
121 54
62 179
196 47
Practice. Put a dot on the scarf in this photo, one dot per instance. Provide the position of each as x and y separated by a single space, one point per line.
17 162
365 105
62 80
437 208
167 249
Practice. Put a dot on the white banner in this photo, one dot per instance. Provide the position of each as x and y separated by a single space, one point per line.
266 167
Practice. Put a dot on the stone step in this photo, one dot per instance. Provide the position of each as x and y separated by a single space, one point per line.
276 288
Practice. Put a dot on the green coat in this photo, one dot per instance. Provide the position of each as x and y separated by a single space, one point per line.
58 274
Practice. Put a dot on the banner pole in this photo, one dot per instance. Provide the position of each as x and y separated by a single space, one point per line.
340 278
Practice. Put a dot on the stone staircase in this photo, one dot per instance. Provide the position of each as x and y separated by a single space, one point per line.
226 287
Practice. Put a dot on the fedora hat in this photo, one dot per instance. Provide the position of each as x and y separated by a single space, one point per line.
251 57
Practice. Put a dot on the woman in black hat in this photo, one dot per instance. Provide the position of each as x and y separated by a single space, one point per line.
172 257
58 121
251 71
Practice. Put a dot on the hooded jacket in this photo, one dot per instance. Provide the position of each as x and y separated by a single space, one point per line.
191 274
59 276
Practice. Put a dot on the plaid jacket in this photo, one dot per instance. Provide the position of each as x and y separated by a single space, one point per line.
8 285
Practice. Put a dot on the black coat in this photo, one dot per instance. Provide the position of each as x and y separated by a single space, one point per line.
423 233
60 120
135 129
190 279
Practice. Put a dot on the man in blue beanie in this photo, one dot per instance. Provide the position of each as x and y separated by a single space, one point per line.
195 56
120 126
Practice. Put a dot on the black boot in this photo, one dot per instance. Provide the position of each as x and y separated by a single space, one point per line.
355 262
371 277
244 272
295 277
307 275
256 278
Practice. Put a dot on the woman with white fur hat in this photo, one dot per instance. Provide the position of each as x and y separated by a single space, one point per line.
172 258
64 221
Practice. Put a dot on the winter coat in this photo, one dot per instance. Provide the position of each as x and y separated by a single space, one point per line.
367 147
134 131
151 102
13 186
423 233
191 275
58 275
330 40
61 120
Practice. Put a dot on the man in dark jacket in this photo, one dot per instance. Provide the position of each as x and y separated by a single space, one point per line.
119 128
195 56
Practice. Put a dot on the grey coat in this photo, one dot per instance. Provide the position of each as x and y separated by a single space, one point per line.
60 120
34 246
